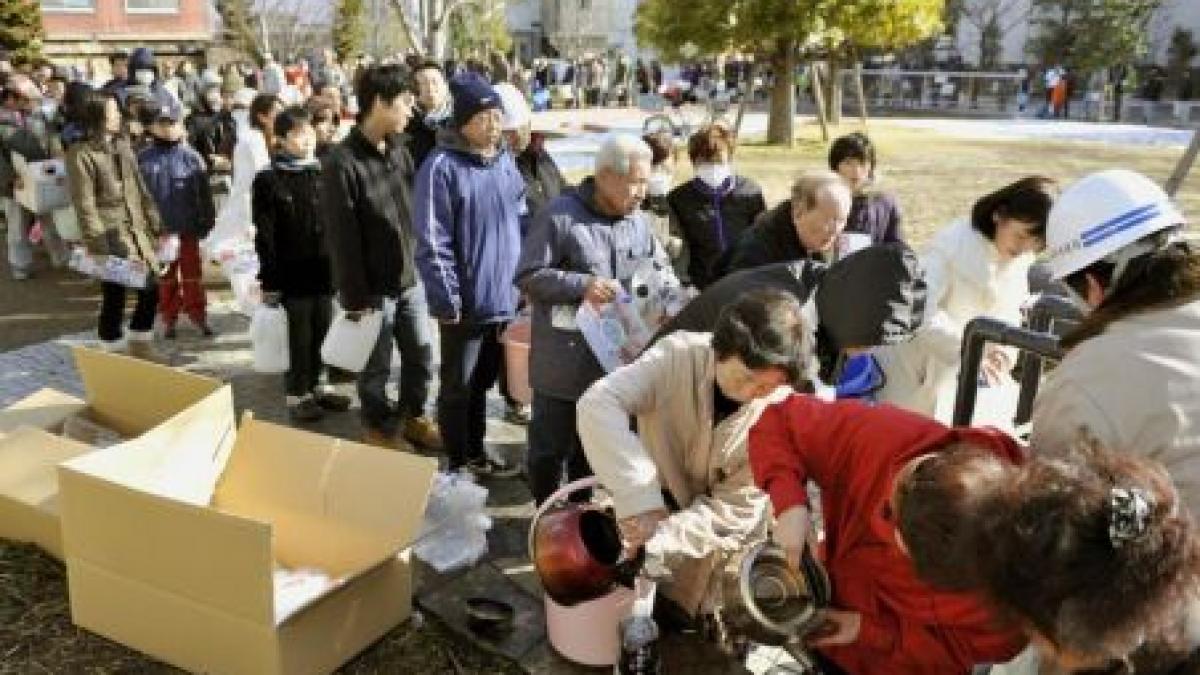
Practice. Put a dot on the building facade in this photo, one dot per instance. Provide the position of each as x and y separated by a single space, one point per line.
1017 25
87 31
571 28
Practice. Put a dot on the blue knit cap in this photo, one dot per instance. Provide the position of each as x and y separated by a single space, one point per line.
472 95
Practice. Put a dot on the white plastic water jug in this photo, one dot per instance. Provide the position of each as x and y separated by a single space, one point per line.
269 336
349 343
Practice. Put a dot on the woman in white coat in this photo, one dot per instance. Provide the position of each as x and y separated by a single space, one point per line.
251 154
978 266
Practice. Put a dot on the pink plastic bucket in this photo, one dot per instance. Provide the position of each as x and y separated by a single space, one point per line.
516 340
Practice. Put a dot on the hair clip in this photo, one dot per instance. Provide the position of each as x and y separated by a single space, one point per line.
1129 511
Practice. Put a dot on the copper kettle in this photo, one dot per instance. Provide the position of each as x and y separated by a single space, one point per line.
576 548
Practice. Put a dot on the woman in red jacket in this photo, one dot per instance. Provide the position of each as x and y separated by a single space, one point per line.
885 619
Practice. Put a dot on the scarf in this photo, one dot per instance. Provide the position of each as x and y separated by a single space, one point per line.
285 162
716 196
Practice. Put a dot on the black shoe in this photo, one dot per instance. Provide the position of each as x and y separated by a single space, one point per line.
169 333
485 467
306 411
332 402
207 330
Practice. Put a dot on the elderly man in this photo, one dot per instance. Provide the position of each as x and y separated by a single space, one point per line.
470 199
682 484
806 226
583 247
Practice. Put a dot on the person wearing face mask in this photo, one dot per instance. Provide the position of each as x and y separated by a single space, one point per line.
807 226
175 174
24 131
662 177
432 113
543 180
583 247
212 131
716 207
682 486
1132 369
875 214
978 266
143 72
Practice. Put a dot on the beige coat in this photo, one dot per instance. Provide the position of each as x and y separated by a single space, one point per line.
706 469
117 214
965 280
1136 388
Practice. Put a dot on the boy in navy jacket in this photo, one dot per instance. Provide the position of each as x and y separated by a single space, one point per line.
177 177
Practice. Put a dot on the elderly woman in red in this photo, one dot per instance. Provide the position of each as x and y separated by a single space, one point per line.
867 462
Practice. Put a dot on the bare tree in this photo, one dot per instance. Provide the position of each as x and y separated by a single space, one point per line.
992 20
427 23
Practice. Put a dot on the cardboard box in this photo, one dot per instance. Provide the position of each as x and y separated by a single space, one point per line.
126 395
44 184
172 547
29 486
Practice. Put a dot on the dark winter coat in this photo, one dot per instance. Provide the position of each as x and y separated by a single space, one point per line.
422 138
467 212
365 196
570 242
711 221
175 174
211 133
543 180
877 216
290 237
772 239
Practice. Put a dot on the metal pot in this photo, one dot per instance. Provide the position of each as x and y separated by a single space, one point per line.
769 603
575 547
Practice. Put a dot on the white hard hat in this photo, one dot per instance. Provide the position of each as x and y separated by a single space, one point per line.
514 106
1102 214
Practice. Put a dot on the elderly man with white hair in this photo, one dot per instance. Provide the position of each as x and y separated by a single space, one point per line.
806 227
582 247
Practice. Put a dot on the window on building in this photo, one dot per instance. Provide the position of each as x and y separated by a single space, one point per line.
69 5
152 6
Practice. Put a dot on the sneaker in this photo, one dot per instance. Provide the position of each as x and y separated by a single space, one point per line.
422 432
169 332
379 439
332 402
485 467
518 413
306 411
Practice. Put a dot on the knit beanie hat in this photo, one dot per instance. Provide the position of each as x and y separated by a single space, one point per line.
472 95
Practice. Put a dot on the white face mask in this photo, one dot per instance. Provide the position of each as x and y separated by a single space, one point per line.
659 184
143 76
713 175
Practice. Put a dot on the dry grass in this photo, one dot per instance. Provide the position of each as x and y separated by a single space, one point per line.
936 177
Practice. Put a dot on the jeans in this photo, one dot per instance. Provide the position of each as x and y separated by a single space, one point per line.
553 442
308 322
409 327
112 310
471 358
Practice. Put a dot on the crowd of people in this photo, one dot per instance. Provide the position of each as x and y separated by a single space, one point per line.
432 202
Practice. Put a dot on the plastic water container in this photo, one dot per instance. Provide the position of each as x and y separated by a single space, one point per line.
269 337
168 249
348 344
516 340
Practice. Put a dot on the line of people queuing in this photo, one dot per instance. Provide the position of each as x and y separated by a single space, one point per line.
947 548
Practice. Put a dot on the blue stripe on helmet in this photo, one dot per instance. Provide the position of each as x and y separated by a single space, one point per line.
1113 231
1134 213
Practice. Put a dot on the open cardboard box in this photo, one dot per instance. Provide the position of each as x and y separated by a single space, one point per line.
172 543
125 395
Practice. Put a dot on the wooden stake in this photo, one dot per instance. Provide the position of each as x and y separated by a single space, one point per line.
1185 164
814 77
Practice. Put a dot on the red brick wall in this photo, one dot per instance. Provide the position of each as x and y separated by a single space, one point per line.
110 21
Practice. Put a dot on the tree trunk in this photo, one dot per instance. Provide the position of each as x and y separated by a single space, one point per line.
781 128
1185 164
835 89
862 93
814 70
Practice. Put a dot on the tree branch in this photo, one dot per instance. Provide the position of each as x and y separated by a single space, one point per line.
449 8
417 41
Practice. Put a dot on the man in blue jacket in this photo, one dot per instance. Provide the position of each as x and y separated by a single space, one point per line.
467 207
584 246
